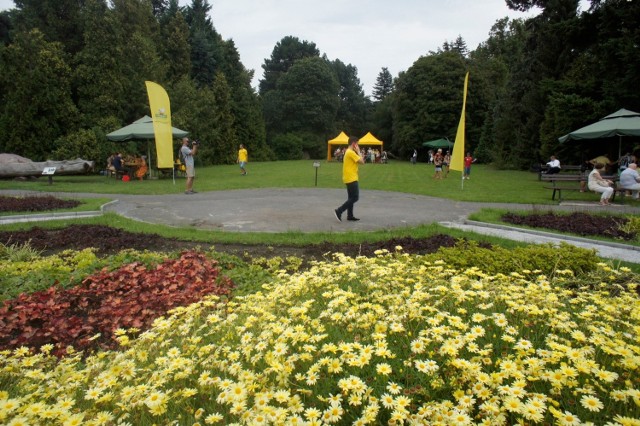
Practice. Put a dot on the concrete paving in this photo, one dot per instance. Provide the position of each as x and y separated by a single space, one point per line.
311 210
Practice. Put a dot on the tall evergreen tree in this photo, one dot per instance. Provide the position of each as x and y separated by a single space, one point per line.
35 88
383 86
225 140
286 52
98 77
176 52
58 20
354 105
206 57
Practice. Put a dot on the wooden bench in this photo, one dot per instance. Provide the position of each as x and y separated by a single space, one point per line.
561 182
622 192
570 169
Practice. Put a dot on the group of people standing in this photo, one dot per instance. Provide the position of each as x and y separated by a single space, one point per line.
187 153
443 162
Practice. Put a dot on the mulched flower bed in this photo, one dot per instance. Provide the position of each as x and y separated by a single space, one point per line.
35 204
576 223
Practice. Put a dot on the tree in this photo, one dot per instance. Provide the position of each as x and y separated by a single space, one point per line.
58 21
205 43
305 101
177 51
354 105
138 57
491 66
245 104
384 85
98 74
427 100
286 52
35 88
549 56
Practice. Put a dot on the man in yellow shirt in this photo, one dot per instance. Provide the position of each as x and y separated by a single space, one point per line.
350 163
242 159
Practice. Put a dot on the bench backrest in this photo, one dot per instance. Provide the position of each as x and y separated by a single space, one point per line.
574 177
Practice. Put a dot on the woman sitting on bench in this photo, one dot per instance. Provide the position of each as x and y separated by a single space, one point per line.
600 185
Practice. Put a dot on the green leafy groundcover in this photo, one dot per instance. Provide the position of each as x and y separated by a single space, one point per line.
389 339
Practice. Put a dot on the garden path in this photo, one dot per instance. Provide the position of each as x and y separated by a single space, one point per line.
311 210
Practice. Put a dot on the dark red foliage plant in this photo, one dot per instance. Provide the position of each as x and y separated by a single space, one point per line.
132 296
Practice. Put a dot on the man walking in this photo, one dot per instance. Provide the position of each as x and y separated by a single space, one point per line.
187 155
242 159
352 158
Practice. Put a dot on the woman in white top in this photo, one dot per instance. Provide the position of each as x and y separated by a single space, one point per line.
598 184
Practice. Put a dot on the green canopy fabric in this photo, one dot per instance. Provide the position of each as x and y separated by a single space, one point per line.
620 123
439 143
141 129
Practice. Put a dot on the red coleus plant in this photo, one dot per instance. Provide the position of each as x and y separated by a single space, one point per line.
132 296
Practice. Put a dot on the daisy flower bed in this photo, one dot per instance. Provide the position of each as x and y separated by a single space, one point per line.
388 339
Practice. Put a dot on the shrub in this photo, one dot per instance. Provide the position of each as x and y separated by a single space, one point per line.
545 258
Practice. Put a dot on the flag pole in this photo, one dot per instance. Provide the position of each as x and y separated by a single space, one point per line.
457 157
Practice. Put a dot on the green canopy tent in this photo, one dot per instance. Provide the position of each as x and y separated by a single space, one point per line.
439 143
141 129
621 123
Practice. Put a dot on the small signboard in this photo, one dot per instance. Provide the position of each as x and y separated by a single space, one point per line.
49 171
316 165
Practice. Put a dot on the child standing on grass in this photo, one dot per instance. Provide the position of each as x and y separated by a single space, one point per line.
468 160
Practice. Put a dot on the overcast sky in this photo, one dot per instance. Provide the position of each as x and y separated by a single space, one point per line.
367 34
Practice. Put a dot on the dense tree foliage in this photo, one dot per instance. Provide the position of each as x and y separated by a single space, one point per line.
427 100
74 70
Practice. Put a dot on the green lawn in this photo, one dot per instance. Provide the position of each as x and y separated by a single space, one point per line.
486 184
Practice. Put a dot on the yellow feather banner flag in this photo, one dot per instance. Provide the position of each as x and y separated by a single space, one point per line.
457 157
161 114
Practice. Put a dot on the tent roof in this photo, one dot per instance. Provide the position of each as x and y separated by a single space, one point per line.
342 138
141 129
438 143
369 139
621 123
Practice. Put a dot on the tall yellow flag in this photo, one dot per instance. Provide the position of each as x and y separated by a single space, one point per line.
161 114
457 157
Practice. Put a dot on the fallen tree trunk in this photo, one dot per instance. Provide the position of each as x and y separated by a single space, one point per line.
66 167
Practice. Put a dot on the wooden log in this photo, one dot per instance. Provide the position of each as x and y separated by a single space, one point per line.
66 167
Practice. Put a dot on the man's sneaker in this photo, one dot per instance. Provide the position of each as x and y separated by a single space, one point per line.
353 219
338 215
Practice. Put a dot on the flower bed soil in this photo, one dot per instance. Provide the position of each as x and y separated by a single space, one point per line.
575 223
108 240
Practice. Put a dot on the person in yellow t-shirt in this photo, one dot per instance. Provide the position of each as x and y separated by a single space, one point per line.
243 156
352 158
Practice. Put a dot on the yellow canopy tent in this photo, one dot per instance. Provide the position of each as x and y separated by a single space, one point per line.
341 139
369 140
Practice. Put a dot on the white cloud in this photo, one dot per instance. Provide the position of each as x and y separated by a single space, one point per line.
367 34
